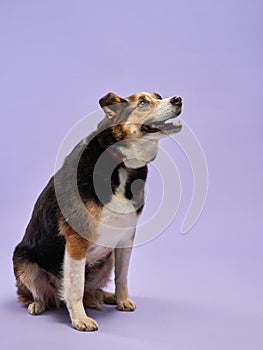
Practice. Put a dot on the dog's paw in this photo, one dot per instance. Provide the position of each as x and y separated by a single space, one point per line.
126 305
86 324
94 300
109 298
94 304
36 308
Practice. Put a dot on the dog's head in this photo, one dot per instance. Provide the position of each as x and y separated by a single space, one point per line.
141 115
137 123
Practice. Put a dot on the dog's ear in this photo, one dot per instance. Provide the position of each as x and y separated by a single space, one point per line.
155 95
111 104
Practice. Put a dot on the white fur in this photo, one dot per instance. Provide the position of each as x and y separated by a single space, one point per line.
164 110
73 287
116 229
96 253
138 151
118 218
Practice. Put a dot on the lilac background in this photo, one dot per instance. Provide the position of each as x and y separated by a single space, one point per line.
198 291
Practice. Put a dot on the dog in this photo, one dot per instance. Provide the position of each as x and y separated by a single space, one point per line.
84 221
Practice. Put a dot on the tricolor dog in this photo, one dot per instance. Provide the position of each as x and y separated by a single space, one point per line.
83 223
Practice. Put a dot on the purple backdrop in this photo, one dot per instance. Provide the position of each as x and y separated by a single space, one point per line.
202 290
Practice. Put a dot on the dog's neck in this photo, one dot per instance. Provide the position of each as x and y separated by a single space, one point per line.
136 153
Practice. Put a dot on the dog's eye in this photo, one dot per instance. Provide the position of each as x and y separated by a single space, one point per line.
143 103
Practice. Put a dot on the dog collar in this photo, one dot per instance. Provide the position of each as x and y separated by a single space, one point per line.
114 155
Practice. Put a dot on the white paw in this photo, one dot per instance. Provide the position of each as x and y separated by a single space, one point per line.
36 308
126 305
86 324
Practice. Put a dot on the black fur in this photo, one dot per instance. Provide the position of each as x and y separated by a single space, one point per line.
42 243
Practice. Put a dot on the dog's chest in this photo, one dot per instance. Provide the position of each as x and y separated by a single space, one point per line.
97 253
118 217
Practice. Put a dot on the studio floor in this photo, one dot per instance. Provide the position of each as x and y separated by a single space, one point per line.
185 300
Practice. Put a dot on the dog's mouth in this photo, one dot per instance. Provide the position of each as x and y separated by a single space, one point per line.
163 126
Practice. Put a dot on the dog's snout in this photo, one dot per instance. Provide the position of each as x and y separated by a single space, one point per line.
176 101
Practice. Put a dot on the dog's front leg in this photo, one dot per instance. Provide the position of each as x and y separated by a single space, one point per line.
73 284
122 260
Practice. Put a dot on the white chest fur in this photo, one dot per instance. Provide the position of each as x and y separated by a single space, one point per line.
138 152
117 222
96 253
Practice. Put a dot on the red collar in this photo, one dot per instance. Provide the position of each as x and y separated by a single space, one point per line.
114 155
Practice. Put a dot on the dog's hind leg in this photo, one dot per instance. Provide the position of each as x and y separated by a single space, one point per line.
37 288
25 297
29 287
43 286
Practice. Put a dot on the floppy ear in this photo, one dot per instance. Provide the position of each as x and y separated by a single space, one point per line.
111 104
155 95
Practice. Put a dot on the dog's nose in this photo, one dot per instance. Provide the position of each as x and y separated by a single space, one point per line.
176 101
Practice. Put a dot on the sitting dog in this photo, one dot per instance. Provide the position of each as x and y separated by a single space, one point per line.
84 221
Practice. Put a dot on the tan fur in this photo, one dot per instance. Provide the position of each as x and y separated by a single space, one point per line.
155 95
76 245
36 284
99 297
84 256
94 212
131 130
36 308
109 298
140 115
132 126
25 297
97 279
126 305
118 132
